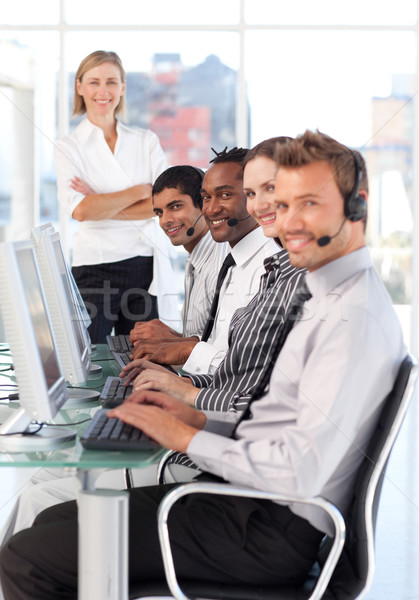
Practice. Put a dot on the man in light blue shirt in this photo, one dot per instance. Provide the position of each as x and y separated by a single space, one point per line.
305 433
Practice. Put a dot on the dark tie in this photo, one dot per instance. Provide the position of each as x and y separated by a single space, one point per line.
228 262
301 296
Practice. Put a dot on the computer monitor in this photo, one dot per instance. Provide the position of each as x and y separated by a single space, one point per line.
42 387
64 307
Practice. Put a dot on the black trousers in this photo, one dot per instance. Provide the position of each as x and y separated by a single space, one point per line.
116 295
214 538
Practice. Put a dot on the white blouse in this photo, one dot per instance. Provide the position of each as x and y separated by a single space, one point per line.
137 159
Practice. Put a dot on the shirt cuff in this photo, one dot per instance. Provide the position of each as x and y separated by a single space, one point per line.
202 357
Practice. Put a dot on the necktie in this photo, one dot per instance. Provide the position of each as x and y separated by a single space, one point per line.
189 281
228 262
301 296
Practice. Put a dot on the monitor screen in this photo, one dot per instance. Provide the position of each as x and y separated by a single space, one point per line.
42 389
69 329
38 315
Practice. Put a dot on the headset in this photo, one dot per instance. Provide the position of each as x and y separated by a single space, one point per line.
355 206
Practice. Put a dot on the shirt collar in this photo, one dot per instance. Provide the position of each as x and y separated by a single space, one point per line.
86 129
279 260
248 246
321 281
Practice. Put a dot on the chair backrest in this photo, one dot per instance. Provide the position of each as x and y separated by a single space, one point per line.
354 572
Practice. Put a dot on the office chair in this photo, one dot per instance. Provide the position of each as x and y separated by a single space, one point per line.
345 566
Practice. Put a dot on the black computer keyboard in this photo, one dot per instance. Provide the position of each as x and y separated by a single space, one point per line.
122 358
119 343
114 392
103 433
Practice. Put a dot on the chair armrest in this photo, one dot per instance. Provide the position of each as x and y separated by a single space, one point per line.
162 464
203 487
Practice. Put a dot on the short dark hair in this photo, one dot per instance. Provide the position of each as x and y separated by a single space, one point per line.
185 178
236 155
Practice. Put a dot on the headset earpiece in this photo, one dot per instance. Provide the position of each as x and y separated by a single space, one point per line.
355 205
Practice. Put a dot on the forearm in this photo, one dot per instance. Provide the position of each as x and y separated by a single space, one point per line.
179 339
189 394
95 207
143 209
174 353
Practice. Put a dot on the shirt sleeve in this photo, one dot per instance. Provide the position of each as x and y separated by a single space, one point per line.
215 399
67 166
200 381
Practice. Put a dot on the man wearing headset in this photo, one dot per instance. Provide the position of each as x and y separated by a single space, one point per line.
304 434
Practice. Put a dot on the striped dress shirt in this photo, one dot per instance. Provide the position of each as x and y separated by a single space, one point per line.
251 336
252 333
204 262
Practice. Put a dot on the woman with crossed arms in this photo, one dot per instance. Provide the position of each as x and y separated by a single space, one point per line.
105 171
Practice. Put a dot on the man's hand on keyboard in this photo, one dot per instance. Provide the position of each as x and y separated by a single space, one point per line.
134 368
149 330
168 421
165 353
178 387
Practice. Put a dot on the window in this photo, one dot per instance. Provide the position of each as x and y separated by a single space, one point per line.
232 74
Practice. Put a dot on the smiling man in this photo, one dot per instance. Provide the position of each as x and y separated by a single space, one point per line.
177 203
225 212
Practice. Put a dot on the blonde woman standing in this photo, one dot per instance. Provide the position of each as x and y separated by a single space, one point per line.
105 171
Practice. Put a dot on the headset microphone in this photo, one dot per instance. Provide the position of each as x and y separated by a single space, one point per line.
233 221
354 206
191 230
326 239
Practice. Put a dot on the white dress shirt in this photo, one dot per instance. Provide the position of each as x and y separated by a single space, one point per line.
201 270
137 159
239 287
308 433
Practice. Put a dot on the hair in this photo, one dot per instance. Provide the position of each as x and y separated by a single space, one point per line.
236 155
93 60
314 146
267 148
185 178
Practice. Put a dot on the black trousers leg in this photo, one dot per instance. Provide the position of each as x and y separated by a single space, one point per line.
220 539
116 295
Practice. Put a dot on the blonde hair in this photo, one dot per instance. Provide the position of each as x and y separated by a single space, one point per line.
93 60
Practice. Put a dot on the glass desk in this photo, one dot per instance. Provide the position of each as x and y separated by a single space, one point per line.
102 514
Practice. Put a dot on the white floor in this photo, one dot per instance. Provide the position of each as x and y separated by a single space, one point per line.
397 544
